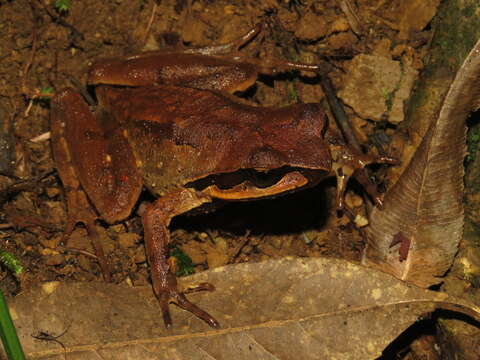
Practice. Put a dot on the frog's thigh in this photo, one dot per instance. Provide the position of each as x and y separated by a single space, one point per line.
79 208
102 161
63 159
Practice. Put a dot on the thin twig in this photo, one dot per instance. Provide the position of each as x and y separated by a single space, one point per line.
150 22
339 113
243 242
41 138
78 251
351 13
28 65
23 185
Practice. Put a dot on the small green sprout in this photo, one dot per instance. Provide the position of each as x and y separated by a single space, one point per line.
11 262
62 6
46 93
292 92
184 263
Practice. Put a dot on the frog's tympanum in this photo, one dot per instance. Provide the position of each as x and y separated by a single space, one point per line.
168 121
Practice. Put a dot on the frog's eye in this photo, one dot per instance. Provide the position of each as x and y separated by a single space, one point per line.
265 158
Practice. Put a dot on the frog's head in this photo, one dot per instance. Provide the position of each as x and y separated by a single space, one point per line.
294 138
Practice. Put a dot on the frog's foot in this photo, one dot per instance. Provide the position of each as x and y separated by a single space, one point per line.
166 290
79 210
231 51
230 47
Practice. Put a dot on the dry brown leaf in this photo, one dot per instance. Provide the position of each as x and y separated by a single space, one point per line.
425 206
280 309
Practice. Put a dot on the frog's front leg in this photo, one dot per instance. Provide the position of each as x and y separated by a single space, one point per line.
348 162
156 219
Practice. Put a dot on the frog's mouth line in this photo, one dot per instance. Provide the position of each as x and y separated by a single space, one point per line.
251 184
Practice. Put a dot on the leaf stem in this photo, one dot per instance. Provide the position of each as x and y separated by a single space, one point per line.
10 341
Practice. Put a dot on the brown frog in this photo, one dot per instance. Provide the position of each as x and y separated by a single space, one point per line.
174 128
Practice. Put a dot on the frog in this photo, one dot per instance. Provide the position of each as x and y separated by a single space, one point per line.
168 122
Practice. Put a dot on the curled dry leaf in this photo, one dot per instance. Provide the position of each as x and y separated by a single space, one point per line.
279 309
425 207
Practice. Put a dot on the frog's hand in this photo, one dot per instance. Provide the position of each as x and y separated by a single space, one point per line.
348 162
98 154
156 219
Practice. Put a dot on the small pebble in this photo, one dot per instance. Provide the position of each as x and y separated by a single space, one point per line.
118 228
128 281
216 259
48 252
277 242
361 221
79 240
49 287
353 200
50 243
127 240
247 249
140 256
85 263
52 192
54 260
194 252
221 244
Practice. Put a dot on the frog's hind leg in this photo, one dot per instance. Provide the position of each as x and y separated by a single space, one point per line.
156 219
230 51
78 206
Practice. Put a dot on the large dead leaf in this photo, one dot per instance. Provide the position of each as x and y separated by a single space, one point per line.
424 209
283 309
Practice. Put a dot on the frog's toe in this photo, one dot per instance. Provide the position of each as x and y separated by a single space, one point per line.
164 302
199 287
183 302
178 298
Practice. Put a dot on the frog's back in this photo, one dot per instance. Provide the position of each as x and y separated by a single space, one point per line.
180 135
